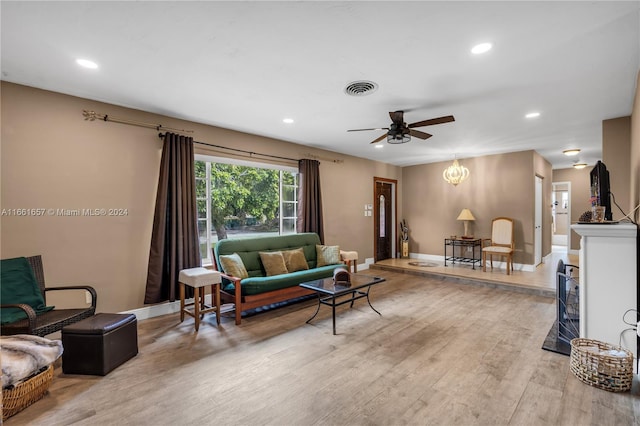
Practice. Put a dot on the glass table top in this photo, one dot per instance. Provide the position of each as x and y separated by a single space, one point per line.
328 286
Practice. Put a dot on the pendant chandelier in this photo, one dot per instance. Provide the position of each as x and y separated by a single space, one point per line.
455 173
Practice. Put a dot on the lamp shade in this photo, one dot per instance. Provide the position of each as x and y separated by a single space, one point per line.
465 214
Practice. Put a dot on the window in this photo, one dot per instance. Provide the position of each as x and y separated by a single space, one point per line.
243 199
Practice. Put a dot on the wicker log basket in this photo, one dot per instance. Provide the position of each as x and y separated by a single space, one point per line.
611 373
20 396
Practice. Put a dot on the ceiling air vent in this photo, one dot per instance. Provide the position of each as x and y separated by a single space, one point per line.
360 88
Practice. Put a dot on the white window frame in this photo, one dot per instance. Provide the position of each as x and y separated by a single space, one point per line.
258 165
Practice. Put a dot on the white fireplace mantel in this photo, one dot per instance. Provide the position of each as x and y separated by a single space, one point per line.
608 282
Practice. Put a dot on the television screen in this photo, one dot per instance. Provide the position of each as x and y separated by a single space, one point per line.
600 190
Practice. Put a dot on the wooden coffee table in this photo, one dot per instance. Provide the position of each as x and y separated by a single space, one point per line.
328 292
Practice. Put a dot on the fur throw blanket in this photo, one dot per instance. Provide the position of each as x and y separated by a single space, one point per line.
24 355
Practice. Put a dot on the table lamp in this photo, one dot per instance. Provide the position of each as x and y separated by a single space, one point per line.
466 215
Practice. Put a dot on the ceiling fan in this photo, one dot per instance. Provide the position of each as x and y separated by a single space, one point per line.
399 132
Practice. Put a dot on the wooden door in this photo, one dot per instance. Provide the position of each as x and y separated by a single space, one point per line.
383 220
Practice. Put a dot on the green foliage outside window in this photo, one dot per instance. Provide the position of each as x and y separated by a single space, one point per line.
243 199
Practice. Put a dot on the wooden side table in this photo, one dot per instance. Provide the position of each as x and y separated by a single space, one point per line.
199 279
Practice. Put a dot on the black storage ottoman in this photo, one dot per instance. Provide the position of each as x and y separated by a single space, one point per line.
99 344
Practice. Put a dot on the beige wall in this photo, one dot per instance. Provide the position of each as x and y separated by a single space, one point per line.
580 192
431 205
616 152
52 159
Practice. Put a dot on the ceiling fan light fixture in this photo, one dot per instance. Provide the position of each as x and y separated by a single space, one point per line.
455 173
579 165
398 138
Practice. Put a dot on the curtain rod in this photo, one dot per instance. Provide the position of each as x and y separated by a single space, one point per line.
251 153
92 116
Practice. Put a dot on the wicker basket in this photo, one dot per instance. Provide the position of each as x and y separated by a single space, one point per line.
612 373
22 395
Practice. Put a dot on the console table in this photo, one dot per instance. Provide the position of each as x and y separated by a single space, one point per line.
464 246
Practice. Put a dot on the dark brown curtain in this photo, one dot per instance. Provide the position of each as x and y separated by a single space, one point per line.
174 241
310 198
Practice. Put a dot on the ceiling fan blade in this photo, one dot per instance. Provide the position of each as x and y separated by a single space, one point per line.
362 130
379 139
397 117
432 121
419 134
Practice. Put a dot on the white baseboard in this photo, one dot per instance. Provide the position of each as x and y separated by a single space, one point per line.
368 261
496 264
170 308
156 310
422 256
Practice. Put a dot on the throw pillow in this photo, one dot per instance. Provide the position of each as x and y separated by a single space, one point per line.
19 285
327 255
232 265
273 263
295 260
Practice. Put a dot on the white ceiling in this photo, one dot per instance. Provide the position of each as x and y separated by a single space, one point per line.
247 65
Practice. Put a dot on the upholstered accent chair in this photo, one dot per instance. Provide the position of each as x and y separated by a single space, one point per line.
501 243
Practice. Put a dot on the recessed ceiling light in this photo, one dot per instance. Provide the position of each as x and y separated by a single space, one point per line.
287 120
379 145
481 48
571 152
580 165
533 115
86 63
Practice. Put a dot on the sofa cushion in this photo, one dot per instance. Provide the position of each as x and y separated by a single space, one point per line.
257 285
232 265
295 260
248 249
273 263
327 255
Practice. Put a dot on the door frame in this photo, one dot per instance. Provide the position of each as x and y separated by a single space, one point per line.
569 230
538 220
394 212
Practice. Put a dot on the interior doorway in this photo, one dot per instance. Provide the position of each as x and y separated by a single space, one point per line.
561 215
384 218
538 222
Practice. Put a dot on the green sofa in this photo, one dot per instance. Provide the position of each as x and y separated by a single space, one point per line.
258 289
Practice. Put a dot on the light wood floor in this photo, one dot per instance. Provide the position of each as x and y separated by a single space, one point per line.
441 353
542 281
